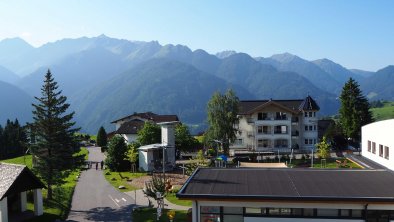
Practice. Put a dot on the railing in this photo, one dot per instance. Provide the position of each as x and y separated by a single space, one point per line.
280 132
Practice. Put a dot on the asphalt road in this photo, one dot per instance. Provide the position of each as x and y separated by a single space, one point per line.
95 199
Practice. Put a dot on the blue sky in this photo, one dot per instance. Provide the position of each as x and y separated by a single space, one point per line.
356 34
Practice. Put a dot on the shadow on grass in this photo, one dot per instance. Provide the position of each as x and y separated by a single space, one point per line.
102 214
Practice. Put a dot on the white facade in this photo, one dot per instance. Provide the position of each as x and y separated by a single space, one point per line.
274 127
377 142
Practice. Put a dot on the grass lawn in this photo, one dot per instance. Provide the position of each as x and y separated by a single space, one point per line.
117 179
149 215
23 160
59 207
385 112
330 163
173 199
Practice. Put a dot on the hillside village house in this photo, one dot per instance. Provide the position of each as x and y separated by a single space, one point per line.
377 142
290 195
271 125
15 181
129 126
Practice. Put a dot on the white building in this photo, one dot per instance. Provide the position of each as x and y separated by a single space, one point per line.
377 142
129 126
288 195
151 156
269 125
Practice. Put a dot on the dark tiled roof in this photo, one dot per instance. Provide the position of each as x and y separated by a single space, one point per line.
246 106
309 104
150 116
130 127
290 185
17 178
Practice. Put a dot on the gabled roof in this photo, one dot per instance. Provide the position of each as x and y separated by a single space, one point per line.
249 106
149 116
309 104
131 127
289 185
16 178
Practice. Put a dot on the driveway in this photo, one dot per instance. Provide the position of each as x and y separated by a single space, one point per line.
95 199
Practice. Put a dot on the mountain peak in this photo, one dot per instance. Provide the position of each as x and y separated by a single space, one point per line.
15 43
285 57
225 54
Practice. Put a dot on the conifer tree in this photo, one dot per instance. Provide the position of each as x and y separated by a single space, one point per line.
102 137
54 134
354 111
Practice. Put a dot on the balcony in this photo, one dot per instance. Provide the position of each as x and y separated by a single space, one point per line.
280 132
250 134
295 134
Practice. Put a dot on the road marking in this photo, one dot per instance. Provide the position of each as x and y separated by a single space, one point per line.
117 200
124 199
113 200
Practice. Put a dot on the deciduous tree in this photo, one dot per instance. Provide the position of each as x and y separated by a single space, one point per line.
354 111
54 133
149 134
323 148
117 149
222 118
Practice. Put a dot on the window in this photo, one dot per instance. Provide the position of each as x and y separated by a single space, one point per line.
280 129
306 128
314 114
306 114
344 212
310 128
259 129
373 147
266 130
249 210
327 212
381 150
210 213
265 116
265 143
310 141
314 127
369 146
280 116
314 141
386 152
259 143
310 114
238 142
259 116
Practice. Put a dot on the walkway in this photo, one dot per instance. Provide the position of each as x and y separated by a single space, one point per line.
95 199
366 163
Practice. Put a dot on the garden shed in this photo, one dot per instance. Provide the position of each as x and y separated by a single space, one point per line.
15 181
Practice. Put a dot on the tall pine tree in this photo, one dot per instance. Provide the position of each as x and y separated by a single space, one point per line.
54 134
354 111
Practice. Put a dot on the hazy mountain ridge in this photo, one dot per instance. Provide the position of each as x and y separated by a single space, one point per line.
88 68
15 103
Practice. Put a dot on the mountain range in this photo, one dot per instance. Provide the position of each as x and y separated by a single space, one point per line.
106 78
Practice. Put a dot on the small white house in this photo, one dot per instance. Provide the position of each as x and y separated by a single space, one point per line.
151 156
15 180
377 142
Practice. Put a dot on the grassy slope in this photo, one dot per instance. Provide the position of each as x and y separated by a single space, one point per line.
59 207
385 112
117 179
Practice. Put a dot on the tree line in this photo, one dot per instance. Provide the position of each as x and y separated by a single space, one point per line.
13 140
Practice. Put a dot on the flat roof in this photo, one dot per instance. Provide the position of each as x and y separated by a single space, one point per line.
289 184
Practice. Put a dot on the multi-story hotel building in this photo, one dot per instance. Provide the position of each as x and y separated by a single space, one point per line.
272 125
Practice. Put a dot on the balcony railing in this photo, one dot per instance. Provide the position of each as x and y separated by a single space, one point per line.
295 133
280 132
